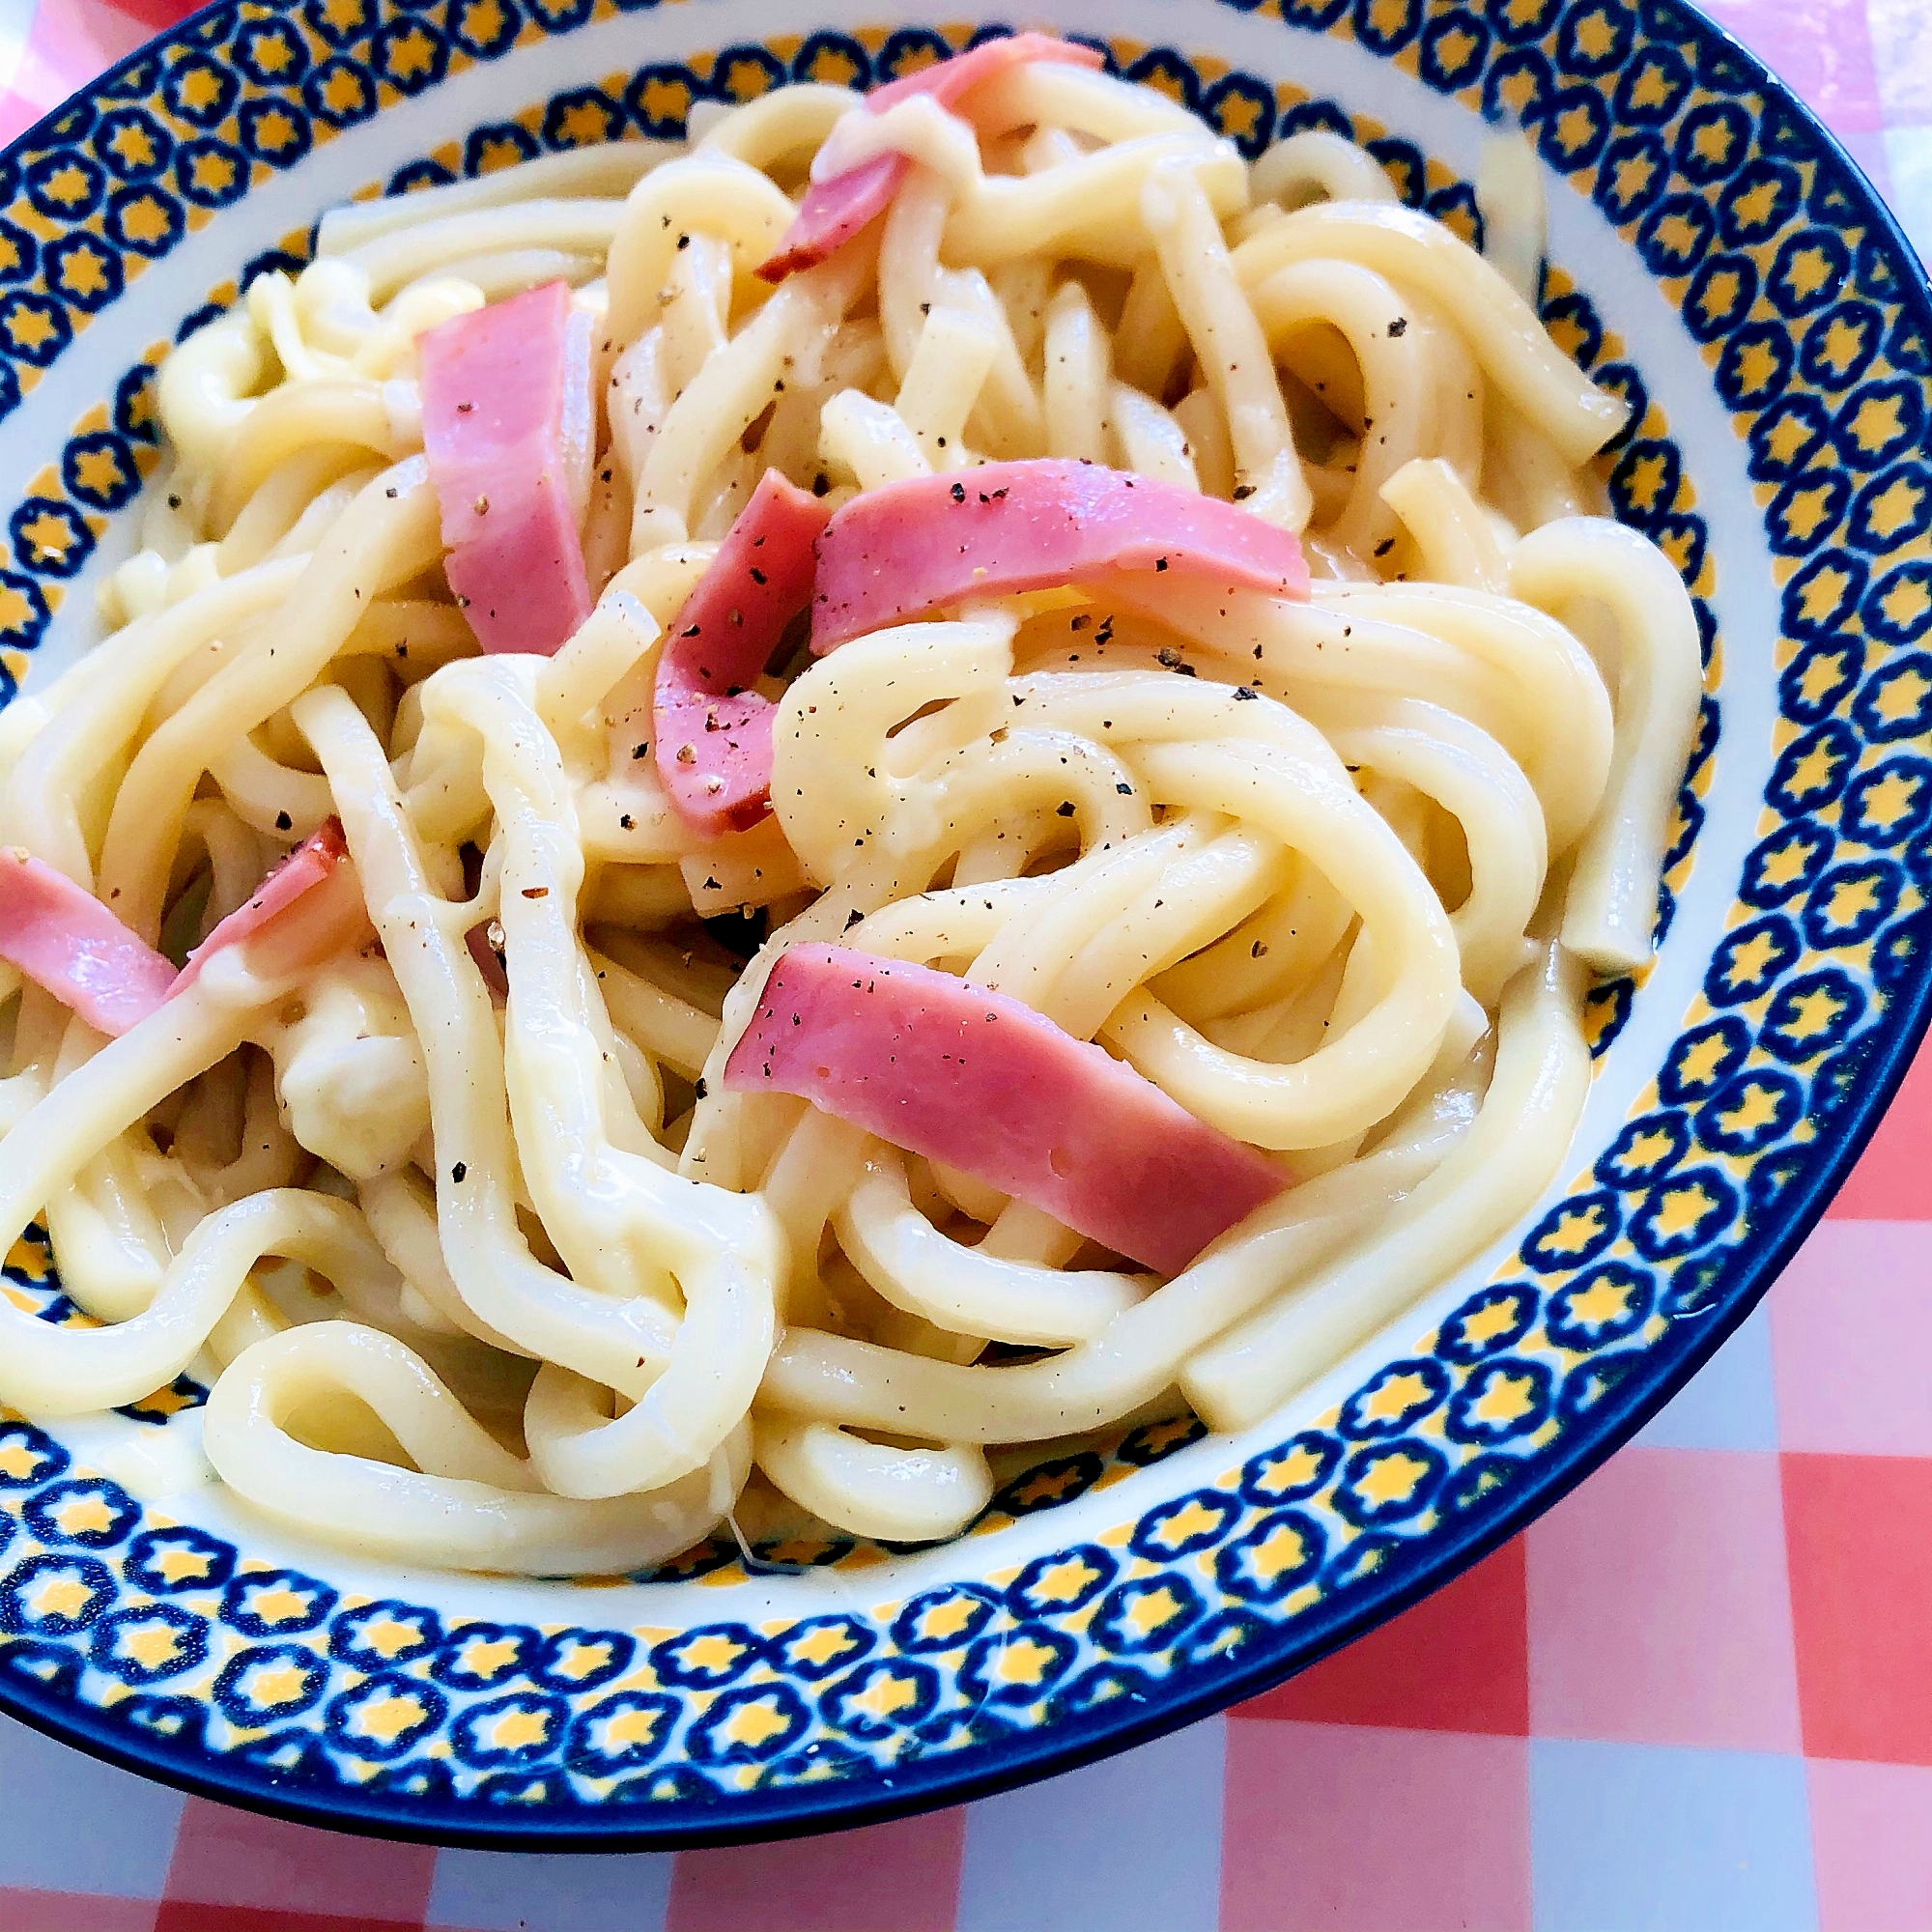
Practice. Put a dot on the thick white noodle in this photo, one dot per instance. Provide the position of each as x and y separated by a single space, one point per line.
1330 872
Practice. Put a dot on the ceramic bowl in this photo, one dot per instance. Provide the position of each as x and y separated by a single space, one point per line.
1715 258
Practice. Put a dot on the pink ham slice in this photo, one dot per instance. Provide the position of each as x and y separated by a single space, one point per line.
310 865
70 945
711 733
973 1078
505 401
895 553
835 211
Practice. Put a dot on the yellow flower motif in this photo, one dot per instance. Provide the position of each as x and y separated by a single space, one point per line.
635 1726
1896 507
152 1646
46 536
179 1565
756 1724
1681 1209
272 1684
271 53
1505 1399
84 1516
714 1651
1193 1519
31 329
61 1594
1887 802
1024 1661
821 1645
518 1730
1748 961
1604 1301
584 1659
1390 1479
944 1620
1575 1230
1901 695
884 1697
1065 1580
388 1717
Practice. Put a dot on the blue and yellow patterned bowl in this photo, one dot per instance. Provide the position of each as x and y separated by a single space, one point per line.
1716 259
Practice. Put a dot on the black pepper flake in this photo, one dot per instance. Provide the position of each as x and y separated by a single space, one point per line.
701 1090
1081 622
1400 326
821 486
629 823
1125 790
853 917
958 493
283 822
390 492
174 503
457 1172
464 409
1160 563
1065 808
639 750
1258 950
691 630
1242 492
684 242
758 576
1386 545
1242 691
712 885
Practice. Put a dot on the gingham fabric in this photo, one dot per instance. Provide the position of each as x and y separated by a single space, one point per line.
1695 1697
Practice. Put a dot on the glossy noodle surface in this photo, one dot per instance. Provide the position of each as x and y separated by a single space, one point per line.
1143 626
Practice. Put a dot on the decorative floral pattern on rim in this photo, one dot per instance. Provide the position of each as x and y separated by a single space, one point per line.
157 1637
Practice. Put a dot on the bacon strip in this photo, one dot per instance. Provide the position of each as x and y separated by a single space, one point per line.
974 1079
506 426
895 553
711 732
835 211
72 946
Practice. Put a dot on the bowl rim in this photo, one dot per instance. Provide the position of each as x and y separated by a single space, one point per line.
1283 1652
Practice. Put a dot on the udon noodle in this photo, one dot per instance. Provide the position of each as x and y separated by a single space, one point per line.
445 1176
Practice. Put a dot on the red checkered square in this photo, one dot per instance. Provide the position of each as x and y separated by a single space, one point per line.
1872 1845
1823 48
1859 1531
1349 1828
1458 1661
1658 1613
34 1911
1851 1332
71 41
1892 1180
903 1877
1901 39
235 1872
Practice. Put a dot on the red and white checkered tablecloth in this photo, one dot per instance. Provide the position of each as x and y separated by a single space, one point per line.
1696 1696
